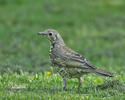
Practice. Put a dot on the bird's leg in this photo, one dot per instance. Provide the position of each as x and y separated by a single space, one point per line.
64 83
80 83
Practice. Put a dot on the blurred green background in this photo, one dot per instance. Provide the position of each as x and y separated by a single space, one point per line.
94 28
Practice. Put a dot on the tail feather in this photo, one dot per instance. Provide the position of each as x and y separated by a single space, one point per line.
103 73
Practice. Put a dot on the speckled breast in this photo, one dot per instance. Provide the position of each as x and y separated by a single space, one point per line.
64 71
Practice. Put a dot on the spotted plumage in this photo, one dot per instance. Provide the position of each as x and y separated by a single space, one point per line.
68 63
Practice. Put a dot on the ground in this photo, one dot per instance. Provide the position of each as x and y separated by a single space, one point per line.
95 29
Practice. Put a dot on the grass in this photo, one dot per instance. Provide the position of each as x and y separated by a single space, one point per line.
95 29
42 86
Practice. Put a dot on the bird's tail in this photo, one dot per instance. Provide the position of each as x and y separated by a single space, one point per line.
103 73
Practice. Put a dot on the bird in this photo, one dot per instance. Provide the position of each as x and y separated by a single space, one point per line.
67 62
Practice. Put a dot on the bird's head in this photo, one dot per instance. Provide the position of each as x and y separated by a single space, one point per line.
52 35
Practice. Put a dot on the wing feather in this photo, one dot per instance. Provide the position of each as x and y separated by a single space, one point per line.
75 60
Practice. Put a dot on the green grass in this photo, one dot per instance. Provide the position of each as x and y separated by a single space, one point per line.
95 29
41 86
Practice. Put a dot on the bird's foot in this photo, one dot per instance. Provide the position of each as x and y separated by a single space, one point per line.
64 89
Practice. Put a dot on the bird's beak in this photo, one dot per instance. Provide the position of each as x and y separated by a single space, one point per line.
41 33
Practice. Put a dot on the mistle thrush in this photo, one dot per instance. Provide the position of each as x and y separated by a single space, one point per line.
68 63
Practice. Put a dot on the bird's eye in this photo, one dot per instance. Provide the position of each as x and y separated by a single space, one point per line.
50 34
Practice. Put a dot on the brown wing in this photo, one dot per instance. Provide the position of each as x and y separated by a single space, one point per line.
75 60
